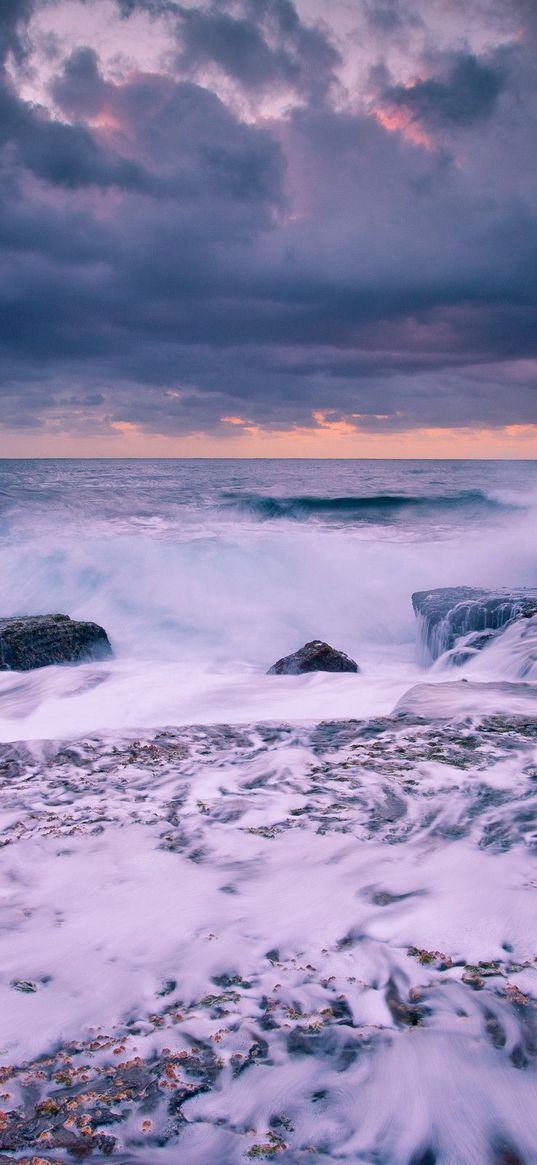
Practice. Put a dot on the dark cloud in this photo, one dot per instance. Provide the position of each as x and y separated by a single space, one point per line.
91 399
264 47
65 155
80 90
166 262
390 16
466 94
14 16
188 144
261 44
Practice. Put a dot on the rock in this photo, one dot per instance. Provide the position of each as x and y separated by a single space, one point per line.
32 641
453 699
448 614
314 656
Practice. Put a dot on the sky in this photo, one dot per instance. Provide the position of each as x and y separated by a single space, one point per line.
268 228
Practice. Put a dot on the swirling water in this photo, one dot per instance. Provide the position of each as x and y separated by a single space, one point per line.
276 938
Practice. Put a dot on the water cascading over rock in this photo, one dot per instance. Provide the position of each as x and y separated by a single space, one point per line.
463 620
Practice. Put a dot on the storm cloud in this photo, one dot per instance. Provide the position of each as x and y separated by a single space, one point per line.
281 219
467 93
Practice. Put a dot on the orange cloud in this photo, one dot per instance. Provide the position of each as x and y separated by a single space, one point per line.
243 423
322 419
401 121
332 439
105 121
125 426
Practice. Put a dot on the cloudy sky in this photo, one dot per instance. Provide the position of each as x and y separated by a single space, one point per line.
268 227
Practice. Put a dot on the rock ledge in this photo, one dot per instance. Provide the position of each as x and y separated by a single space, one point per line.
450 616
31 641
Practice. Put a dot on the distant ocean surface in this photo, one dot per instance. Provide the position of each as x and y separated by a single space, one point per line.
204 572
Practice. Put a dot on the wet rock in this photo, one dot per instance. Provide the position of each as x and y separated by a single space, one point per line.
427 958
404 1014
449 614
495 1030
32 641
453 700
386 898
506 1155
304 1041
314 656
24 985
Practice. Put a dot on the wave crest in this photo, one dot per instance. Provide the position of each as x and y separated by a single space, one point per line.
376 508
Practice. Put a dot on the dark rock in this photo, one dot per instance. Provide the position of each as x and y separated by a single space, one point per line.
404 1014
506 1155
39 640
314 656
304 1041
468 617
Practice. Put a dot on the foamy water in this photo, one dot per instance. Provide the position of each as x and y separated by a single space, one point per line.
313 942
250 917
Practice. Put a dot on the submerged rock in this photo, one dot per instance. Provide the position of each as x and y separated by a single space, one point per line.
454 699
449 614
31 641
314 656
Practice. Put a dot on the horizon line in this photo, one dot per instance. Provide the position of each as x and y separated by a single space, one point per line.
204 457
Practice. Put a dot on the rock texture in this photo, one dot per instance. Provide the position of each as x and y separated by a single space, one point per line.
468 617
314 656
39 640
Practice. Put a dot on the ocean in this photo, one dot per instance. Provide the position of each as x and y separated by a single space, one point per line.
254 917
203 573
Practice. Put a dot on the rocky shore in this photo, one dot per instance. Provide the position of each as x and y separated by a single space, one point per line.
452 621
260 942
291 941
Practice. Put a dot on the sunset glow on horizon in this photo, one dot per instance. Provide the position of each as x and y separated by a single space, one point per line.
516 442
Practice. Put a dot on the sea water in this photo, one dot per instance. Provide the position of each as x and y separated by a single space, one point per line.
204 572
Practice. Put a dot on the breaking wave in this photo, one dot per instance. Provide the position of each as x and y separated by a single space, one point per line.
377 508
199 591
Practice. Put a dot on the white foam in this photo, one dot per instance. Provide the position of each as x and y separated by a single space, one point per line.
98 917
